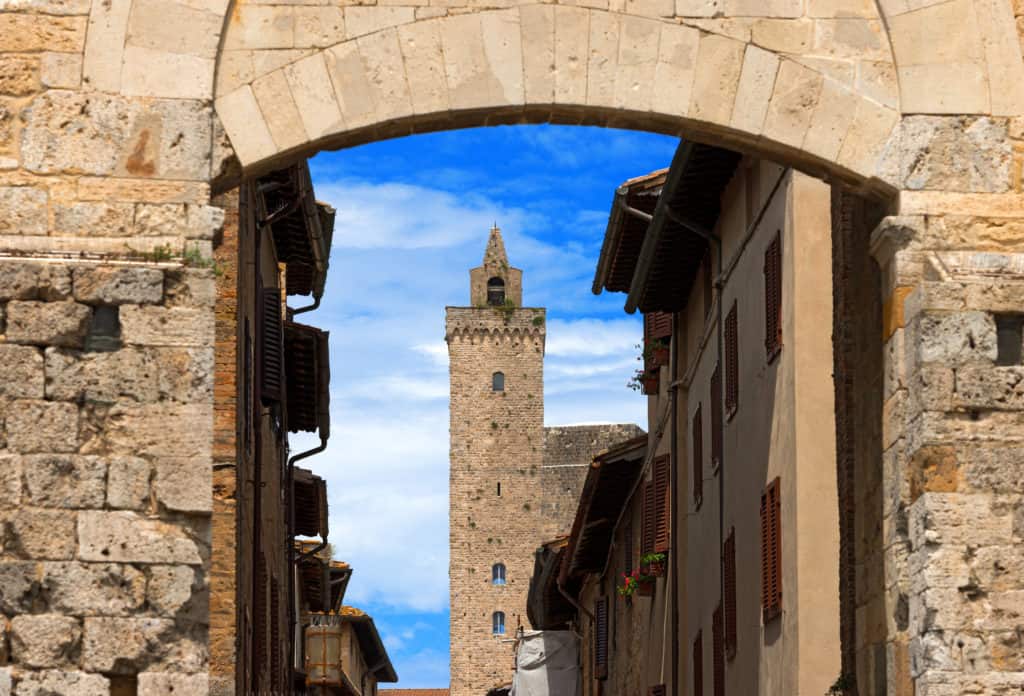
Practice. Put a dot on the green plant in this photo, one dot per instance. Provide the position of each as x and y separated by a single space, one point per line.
650 347
649 558
538 320
494 425
507 309
159 253
631 582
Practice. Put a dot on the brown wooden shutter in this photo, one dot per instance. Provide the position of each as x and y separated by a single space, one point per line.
275 635
662 513
627 549
698 665
732 361
717 653
271 350
601 638
729 580
657 325
773 298
771 552
259 617
649 520
716 417
697 465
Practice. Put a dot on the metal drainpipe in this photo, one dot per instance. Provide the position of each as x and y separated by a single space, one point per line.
307 308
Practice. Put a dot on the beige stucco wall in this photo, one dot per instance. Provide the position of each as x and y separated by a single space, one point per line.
783 427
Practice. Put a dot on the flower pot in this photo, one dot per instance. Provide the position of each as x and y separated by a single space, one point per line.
645 588
656 569
659 356
651 383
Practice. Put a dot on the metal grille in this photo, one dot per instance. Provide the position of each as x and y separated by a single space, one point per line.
601 638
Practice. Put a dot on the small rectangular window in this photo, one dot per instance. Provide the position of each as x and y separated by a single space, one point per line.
1009 337
773 298
732 362
697 465
771 552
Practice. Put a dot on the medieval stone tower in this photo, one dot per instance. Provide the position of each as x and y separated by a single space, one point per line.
513 482
496 352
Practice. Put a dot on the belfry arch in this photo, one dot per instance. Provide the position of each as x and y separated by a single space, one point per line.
134 108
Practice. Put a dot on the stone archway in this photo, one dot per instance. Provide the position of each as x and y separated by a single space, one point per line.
110 135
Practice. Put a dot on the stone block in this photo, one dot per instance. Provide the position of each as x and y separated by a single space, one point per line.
957 153
93 219
170 589
159 430
127 537
755 89
64 481
92 589
58 683
23 210
185 374
62 324
10 481
572 54
719 64
244 123
674 73
998 388
19 75
792 36
61 70
637 61
42 534
23 372
190 287
19 587
184 485
178 27
996 468
314 96
168 684
125 645
318 27
45 640
26 281
118 285
6 681
276 101
381 55
261 26
24 33
42 426
128 483
101 377
957 338
167 220
794 98
159 326
959 519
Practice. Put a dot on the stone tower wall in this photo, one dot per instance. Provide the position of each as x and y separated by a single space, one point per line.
496 437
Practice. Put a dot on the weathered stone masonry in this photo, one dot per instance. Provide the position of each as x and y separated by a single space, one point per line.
110 136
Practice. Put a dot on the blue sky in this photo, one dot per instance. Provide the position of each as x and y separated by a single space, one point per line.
413 218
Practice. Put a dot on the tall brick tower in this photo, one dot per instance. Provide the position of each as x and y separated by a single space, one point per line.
496 357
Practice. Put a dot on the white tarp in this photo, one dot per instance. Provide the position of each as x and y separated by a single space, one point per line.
547 664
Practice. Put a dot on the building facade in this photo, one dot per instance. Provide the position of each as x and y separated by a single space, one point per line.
510 477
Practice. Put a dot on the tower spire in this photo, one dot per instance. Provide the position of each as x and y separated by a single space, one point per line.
495 254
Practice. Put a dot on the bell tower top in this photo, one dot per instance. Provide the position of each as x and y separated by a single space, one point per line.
495 283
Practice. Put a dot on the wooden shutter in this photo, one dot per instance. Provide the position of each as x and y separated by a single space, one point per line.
697 465
657 325
771 552
698 665
627 549
662 512
773 298
275 635
601 638
729 580
732 361
717 653
270 341
716 417
648 520
259 617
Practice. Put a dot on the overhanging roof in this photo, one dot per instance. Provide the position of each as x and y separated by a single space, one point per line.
684 220
626 230
609 482
370 644
546 607
302 227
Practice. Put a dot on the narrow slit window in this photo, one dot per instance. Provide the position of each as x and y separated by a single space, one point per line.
498 381
499 489
1009 329
498 623
495 292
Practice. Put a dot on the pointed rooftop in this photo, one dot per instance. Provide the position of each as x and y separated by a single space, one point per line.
495 279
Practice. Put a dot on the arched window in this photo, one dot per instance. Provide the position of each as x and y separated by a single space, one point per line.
498 623
496 292
498 574
498 381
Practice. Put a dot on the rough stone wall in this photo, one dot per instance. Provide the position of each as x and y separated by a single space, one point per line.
105 503
568 452
496 437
